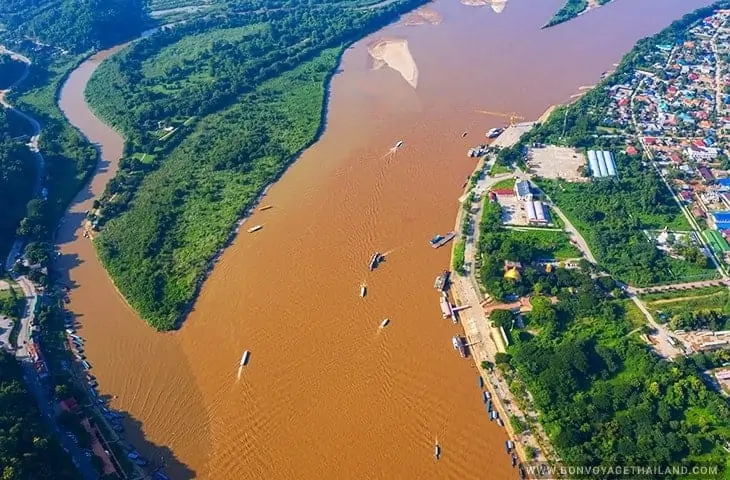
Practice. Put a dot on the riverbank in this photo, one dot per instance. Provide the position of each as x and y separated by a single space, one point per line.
484 339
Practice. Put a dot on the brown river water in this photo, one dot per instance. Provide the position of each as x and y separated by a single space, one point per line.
326 394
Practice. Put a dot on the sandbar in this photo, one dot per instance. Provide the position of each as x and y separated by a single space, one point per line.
424 15
395 54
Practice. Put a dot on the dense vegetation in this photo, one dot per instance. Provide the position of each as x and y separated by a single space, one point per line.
10 71
180 97
26 450
570 10
604 399
12 303
498 245
17 170
73 25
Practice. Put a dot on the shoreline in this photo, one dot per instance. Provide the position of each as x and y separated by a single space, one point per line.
465 288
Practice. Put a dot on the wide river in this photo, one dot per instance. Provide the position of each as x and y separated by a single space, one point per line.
326 395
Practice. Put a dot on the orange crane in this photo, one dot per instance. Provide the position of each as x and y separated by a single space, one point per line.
512 116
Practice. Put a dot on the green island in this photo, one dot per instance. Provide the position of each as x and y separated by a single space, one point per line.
573 8
248 72
600 388
27 451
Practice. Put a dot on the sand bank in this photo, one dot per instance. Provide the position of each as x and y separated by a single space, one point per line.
424 15
497 5
395 54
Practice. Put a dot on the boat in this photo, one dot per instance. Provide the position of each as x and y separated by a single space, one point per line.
489 395
399 144
500 422
489 405
266 207
244 358
442 281
375 260
385 322
363 290
480 380
484 397
459 345
255 228
464 134
514 460
441 240
508 445
437 450
494 132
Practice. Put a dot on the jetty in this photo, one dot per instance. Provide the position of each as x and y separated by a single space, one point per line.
441 240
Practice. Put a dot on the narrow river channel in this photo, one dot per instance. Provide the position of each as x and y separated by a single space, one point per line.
326 393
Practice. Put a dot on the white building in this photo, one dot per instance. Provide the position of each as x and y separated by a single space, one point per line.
696 153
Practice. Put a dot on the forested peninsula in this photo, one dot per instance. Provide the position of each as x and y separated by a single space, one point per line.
572 8
213 110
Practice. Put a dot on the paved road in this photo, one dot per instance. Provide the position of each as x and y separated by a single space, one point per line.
32 145
679 286
36 386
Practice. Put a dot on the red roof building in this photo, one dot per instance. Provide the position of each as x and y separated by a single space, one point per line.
631 150
504 192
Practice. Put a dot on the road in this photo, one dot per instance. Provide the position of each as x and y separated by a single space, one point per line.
36 386
574 233
660 337
679 286
33 145
484 340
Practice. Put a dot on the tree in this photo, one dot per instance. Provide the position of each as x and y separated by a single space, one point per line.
502 318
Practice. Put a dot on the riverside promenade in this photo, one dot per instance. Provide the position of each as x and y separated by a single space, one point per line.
486 341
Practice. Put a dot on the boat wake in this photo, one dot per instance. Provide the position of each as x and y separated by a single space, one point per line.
240 372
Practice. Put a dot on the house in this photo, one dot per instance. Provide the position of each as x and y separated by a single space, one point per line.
631 150
701 153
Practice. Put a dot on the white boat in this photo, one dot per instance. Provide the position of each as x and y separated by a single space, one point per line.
245 357
385 322
493 133
363 290
255 229
399 144
437 450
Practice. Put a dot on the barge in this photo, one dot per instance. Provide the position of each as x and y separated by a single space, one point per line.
441 240
459 345
442 281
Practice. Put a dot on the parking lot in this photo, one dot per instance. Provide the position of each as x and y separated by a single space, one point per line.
557 162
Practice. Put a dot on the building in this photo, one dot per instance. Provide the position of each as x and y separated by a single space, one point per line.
697 154
706 173
601 164
523 190
537 212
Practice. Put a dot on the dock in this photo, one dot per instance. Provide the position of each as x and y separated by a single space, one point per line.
441 240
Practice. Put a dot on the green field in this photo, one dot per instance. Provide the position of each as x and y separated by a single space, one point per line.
549 244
